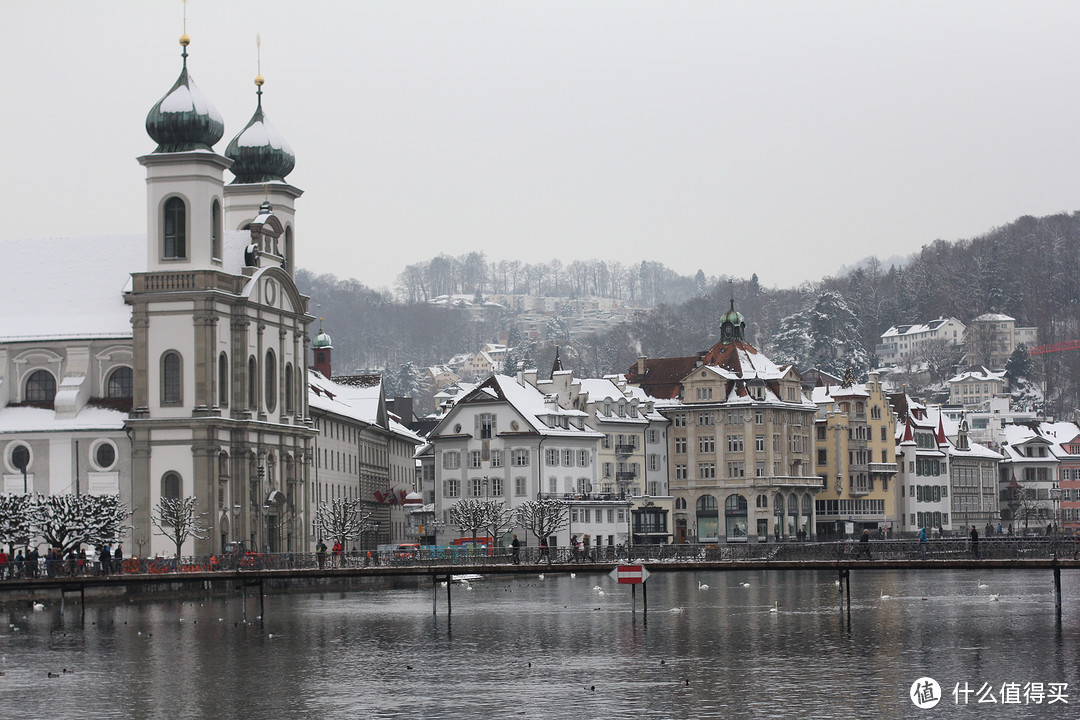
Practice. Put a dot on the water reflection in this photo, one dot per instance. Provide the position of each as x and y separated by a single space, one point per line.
554 648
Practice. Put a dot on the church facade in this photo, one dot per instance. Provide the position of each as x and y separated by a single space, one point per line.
204 393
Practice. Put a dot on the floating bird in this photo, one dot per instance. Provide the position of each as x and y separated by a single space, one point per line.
573 574
663 662
52 674
775 607
982 585
597 587
541 576
38 606
745 584
674 610
837 583
994 598
69 672
270 636
702 586
601 593
408 667
884 596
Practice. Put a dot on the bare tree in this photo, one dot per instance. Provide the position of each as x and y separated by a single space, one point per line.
499 518
179 520
470 515
340 520
67 521
543 518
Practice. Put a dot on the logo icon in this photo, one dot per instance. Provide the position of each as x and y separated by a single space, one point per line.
925 693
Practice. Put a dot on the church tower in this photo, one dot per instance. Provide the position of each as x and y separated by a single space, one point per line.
219 331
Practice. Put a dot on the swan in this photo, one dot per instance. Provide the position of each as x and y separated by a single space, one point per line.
775 607
674 610
982 585
597 587
994 598
745 584
601 593
541 576
884 596
38 606
702 586
573 574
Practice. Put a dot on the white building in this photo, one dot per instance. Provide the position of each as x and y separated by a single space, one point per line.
922 457
975 388
904 344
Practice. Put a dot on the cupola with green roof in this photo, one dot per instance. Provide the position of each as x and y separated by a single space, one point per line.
259 153
184 119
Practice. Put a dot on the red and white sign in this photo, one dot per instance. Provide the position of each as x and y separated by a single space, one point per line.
630 574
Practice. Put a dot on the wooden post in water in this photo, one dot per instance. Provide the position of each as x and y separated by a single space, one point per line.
847 575
262 608
633 599
644 599
1057 589
449 582
434 594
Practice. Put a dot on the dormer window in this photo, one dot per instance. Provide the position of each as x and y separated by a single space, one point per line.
175 229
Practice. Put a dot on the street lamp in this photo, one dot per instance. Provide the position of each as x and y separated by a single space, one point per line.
20 458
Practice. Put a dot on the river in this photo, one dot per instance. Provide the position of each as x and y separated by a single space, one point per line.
526 647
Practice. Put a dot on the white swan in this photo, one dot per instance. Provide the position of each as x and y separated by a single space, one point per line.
597 587
982 585
994 598
601 593
702 586
775 607
38 606
541 576
675 610
884 596
573 574
745 584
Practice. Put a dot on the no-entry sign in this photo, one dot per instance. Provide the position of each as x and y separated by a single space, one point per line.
630 574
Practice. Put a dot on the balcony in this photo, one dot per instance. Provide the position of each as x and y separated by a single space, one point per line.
625 477
882 468
624 449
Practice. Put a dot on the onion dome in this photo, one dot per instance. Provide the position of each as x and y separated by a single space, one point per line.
322 340
259 153
184 119
732 325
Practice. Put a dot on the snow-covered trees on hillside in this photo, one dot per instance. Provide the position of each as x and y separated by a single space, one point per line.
824 334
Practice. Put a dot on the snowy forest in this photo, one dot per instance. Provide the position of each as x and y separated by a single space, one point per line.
1029 269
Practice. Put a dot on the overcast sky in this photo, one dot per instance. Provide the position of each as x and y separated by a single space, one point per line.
782 138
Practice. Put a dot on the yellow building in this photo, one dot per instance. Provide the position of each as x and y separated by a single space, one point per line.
855 447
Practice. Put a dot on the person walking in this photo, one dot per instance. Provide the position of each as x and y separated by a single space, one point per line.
515 550
118 558
974 541
922 543
337 553
320 554
575 548
864 544
3 564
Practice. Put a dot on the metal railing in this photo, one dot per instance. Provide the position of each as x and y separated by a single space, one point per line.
949 548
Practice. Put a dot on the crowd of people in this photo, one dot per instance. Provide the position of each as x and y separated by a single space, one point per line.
30 563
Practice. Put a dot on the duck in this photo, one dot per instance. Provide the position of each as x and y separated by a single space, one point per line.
53 675
884 596
702 586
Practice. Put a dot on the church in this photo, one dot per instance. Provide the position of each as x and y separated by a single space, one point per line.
173 364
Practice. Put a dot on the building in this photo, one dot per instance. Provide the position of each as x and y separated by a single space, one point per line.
505 440
855 445
922 457
906 344
973 477
1028 478
740 442
974 388
991 338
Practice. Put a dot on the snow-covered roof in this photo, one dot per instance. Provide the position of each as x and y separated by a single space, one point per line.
358 403
994 317
916 329
980 375
532 405
70 288
31 419
974 450
825 394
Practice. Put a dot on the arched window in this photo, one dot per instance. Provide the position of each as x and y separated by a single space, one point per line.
735 512
119 383
170 486
253 383
223 465
223 380
271 381
288 388
680 503
40 387
215 230
175 236
708 519
172 389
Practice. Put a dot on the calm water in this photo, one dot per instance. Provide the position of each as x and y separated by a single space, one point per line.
526 648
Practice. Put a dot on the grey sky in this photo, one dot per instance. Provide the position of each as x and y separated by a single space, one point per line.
779 138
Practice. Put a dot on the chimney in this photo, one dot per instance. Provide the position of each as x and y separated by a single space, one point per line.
641 365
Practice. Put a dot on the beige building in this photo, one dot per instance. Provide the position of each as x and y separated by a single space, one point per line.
856 458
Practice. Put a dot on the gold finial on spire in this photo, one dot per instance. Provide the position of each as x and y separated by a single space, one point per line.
185 39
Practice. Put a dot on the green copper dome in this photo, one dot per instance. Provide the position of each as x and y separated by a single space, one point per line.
322 340
184 119
732 325
258 152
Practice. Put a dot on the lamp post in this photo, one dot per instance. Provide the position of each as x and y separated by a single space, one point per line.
20 458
